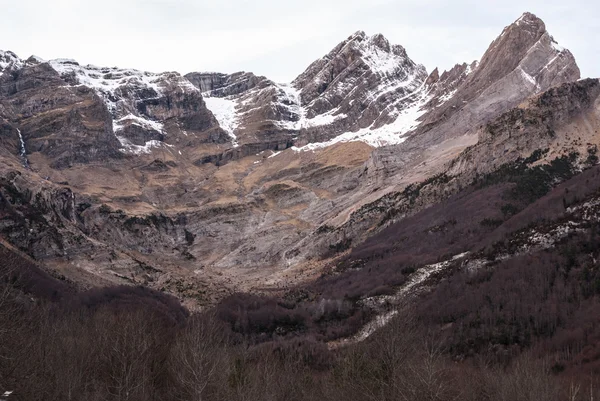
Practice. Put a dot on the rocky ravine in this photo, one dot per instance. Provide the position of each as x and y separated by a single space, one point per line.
202 184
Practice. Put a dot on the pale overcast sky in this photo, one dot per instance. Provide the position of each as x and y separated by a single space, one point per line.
278 38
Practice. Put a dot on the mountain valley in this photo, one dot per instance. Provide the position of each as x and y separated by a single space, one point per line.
369 230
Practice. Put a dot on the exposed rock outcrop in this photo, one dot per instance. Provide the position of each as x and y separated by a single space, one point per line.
523 61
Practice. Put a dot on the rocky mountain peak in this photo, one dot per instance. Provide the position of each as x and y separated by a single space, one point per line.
522 61
526 46
9 59
363 84
358 34
359 54
529 19
433 77
380 41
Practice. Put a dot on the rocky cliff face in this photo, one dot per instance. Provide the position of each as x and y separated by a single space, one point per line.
363 82
558 122
147 109
238 182
523 61
63 123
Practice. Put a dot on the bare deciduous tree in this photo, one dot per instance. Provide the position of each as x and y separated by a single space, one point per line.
198 358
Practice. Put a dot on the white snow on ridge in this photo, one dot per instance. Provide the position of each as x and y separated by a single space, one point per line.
290 99
390 134
555 45
106 80
471 67
9 59
323 119
224 111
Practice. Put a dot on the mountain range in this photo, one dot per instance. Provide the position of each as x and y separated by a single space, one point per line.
205 184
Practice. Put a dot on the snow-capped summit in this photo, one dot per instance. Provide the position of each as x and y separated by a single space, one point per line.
362 67
524 60
363 85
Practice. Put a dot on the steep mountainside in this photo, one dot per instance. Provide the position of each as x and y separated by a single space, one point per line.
524 60
355 92
207 183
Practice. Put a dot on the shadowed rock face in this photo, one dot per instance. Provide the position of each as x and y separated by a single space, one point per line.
177 181
221 85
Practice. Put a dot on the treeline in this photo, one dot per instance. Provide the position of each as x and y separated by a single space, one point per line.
134 353
547 301
136 344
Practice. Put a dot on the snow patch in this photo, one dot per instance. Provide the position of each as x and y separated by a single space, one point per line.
472 67
289 98
390 134
22 149
224 111
555 45
380 61
443 99
381 303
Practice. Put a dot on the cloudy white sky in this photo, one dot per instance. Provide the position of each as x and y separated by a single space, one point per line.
278 38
